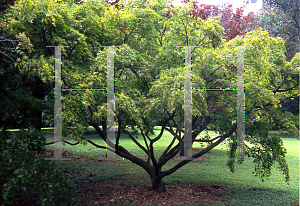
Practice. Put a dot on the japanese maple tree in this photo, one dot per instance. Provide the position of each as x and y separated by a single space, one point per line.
149 75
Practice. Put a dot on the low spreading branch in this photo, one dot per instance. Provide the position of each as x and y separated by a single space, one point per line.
201 153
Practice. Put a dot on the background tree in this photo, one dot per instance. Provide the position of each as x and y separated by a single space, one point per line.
234 23
22 98
24 172
4 5
281 18
149 77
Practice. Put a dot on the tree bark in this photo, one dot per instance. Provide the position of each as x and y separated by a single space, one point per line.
158 185
39 93
182 152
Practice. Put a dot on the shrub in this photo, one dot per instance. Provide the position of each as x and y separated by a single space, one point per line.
25 175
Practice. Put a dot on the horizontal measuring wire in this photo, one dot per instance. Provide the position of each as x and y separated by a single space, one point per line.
81 89
105 89
216 89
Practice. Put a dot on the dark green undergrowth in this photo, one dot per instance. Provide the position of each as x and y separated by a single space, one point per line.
26 178
245 188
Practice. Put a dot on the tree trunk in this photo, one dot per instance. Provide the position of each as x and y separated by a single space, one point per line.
39 93
182 152
158 185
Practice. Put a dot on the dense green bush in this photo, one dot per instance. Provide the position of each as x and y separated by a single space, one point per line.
25 175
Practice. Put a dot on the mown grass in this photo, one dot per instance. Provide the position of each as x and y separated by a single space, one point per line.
12 130
246 189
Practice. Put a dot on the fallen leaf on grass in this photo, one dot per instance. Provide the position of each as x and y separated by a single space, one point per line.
218 186
91 174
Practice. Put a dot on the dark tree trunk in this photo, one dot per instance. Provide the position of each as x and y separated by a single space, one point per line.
158 185
39 93
36 119
182 152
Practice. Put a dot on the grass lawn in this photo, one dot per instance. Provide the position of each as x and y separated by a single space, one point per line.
246 189
12 130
